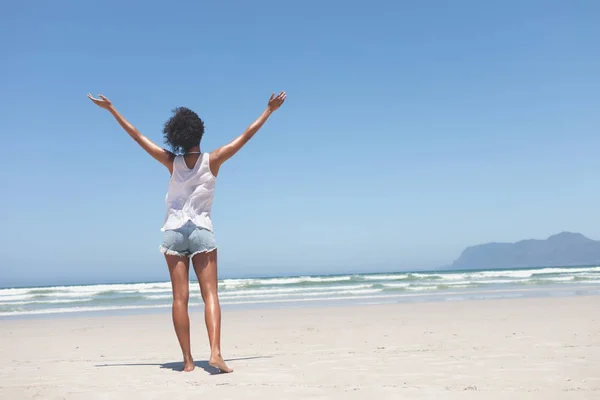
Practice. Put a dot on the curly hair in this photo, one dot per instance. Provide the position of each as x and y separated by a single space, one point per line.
183 130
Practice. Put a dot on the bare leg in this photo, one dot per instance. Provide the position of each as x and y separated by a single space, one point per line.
205 265
179 270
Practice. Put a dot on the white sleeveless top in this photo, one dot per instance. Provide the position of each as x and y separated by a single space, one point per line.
190 194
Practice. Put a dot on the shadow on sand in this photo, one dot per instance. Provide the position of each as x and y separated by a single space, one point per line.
178 366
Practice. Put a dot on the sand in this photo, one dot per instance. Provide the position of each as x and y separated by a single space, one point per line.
495 349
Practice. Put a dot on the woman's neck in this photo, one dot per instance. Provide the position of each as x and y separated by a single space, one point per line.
192 150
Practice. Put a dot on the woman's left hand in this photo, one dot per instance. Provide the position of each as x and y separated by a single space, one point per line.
102 102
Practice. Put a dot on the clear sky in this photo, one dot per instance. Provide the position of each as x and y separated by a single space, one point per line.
411 130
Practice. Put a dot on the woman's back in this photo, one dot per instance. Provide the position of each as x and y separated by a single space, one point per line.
190 194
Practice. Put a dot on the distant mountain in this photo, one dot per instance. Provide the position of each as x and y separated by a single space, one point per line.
563 249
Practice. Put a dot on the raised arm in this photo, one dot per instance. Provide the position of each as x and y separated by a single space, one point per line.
161 155
224 153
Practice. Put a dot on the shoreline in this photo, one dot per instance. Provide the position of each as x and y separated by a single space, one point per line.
562 290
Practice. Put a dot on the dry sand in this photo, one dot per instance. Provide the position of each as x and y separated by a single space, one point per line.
497 349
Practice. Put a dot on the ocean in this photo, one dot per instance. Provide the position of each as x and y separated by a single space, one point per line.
298 291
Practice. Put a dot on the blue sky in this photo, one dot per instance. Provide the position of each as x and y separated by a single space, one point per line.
411 130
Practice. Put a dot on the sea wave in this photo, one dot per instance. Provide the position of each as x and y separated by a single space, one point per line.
130 296
55 301
377 277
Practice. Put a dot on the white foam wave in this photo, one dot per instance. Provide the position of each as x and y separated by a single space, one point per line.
588 276
168 296
70 294
266 295
300 295
15 297
394 277
565 270
462 286
504 274
234 283
85 289
494 281
237 283
559 278
13 292
83 309
160 290
528 273
396 285
429 275
56 301
307 279
442 276
453 277
421 288
117 287
297 289
457 283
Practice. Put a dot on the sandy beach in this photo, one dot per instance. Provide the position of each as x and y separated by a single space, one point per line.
546 348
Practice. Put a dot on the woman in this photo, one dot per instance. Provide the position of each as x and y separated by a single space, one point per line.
187 227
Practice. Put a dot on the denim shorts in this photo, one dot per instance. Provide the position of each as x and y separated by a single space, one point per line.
187 241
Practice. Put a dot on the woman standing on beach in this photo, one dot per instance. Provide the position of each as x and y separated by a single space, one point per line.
187 227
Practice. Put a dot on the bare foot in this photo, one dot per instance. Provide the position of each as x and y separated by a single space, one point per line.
188 364
219 363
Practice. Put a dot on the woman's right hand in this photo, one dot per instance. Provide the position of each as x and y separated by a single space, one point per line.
161 155
276 102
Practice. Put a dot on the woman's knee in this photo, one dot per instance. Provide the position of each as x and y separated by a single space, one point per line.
181 297
209 293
